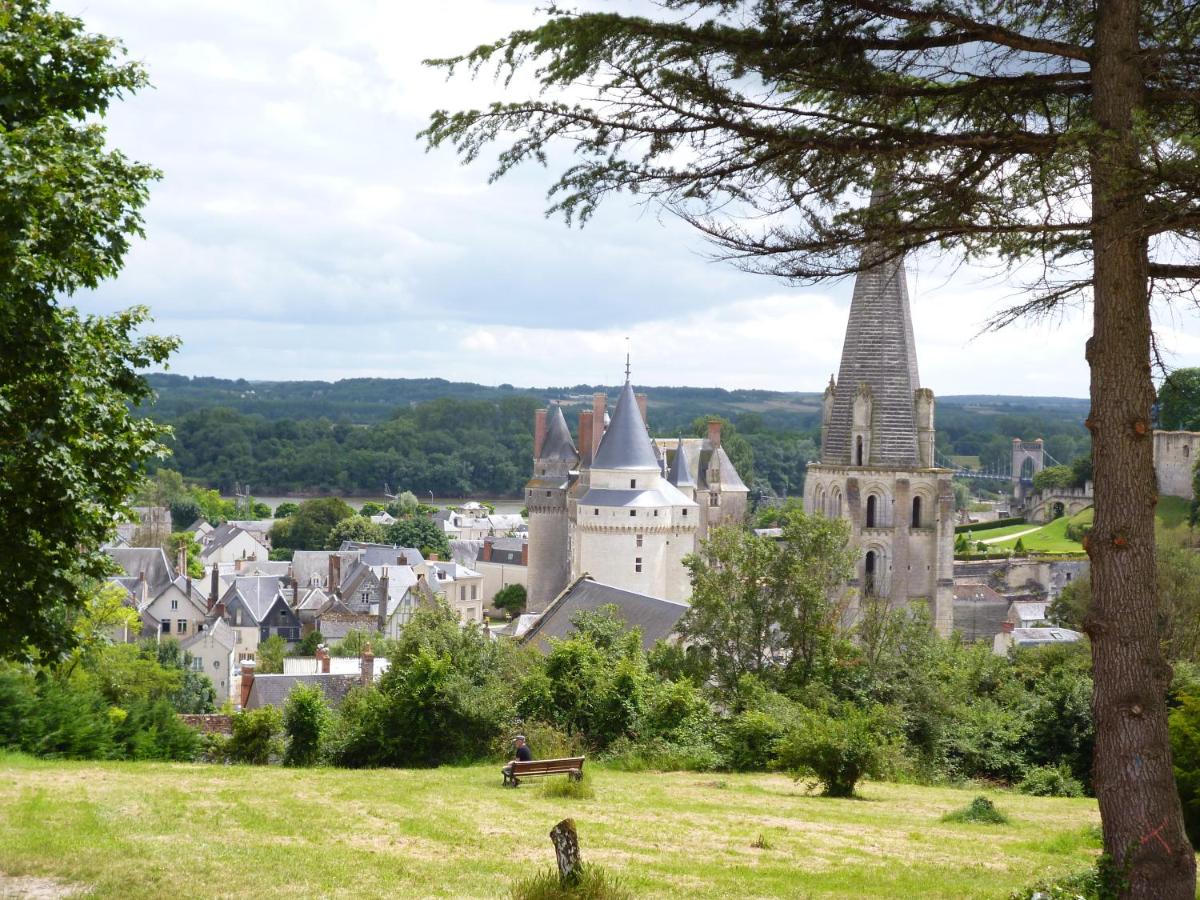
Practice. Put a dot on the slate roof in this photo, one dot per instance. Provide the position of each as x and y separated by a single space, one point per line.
655 618
218 630
664 494
222 535
306 563
626 442
273 690
257 592
382 554
557 443
1030 610
150 560
979 620
680 474
879 351
1030 637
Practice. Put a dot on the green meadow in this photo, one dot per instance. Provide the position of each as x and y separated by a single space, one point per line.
133 830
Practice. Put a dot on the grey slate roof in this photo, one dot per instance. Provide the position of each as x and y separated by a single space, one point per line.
879 351
979 620
655 618
382 554
217 630
258 593
664 494
150 560
273 690
680 474
558 443
626 442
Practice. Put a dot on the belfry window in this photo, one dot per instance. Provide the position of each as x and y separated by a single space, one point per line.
872 502
858 450
916 512
869 573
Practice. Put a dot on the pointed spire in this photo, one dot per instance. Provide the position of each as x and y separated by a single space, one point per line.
626 443
681 472
558 443
879 352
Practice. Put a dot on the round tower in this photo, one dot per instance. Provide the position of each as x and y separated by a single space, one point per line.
554 458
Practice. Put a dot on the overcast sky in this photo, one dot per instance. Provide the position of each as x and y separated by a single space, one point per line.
301 231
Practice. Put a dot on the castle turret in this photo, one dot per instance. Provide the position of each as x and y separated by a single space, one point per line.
546 501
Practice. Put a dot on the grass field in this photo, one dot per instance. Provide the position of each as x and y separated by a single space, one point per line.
176 830
1050 538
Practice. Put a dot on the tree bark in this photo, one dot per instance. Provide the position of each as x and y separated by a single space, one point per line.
1133 778
566 849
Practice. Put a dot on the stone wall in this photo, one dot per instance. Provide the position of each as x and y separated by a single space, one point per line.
208 724
1174 459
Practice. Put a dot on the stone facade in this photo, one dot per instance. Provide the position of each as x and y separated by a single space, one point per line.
1174 461
610 509
877 466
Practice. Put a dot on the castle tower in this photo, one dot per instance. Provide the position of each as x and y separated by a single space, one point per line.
554 459
631 527
877 466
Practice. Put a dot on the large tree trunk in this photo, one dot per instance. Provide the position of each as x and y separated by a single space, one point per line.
1139 806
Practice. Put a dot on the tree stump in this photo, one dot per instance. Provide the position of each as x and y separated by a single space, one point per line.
566 848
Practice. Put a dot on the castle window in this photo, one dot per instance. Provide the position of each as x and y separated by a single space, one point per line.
869 574
916 515
685 512
633 482
547 493
713 499
1186 450
637 564
633 512
596 511
871 504
639 539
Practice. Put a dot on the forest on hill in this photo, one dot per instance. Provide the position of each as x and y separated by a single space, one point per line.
459 438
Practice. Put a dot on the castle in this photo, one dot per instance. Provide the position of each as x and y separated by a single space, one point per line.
877 467
620 506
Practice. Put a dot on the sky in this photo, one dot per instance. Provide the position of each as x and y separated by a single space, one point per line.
301 231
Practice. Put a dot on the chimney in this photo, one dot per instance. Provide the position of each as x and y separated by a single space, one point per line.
714 433
539 432
486 553
295 593
402 560
335 573
599 401
585 438
181 559
641 401
384 587
239 564
322 653
525 552
368 666
247 680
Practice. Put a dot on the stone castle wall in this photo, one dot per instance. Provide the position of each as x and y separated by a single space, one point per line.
1174 460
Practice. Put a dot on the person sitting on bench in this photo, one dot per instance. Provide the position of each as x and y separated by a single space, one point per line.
523 754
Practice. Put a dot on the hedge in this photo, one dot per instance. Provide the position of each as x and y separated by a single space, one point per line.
988 526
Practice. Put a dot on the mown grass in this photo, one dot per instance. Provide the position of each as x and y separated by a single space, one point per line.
134 830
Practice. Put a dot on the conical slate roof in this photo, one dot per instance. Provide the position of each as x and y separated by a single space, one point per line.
680 474
558 443
626 443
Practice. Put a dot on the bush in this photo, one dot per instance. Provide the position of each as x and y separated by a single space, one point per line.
255 736
1051 781
840 748
305 718
594 883
1105 882
1185 754
545 742
511 599
154 731
980 811
750 739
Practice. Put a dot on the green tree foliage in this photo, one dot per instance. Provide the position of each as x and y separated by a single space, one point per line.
309 526
424 534
308 644
762 607
840 747
404 505
740 453
511 599
269 659
371 508
285 509
1179 401
305 722
1054 478
355 528
1185 756
256 736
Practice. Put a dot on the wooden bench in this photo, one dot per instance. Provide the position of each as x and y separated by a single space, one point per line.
572 767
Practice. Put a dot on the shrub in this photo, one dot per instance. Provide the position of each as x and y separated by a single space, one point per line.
511 599
1019 546
305 718
255 737
981 811
545 742
749 740
568 789
1185 754
593 883
840 748
154 731
1051 781
1104 882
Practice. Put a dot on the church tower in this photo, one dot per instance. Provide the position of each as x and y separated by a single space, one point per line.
554 460
877 467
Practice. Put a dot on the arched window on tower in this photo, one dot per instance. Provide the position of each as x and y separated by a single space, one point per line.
872 502
869 566
916 516
837 504
858 450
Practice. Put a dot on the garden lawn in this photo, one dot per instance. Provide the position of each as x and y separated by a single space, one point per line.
982 534
1050 538
134 830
